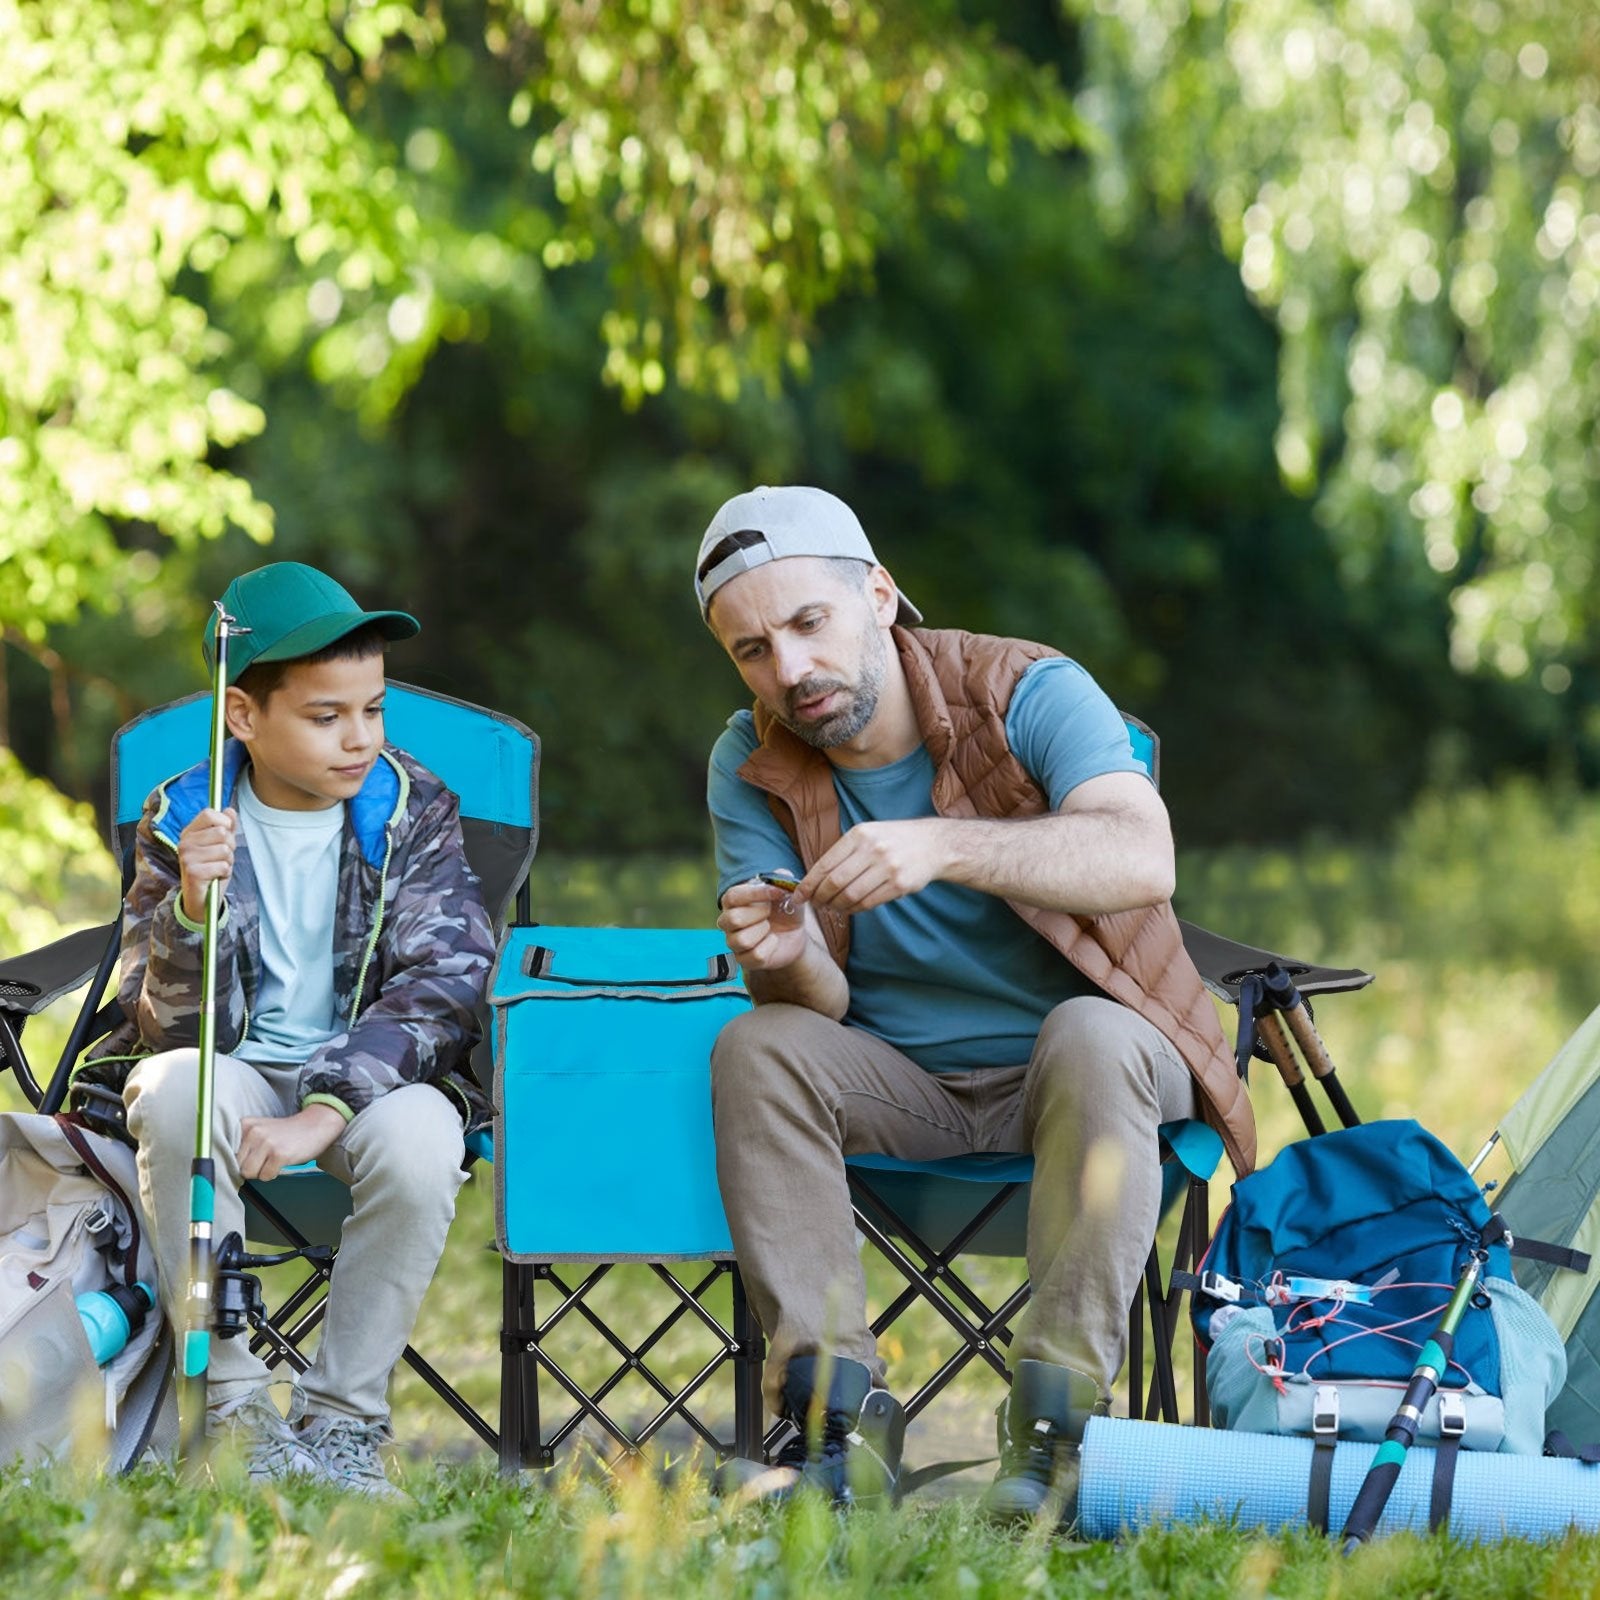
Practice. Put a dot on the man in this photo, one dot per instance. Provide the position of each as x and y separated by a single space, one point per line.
979 956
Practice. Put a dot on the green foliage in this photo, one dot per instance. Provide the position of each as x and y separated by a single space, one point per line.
1412 190
58 873
59 877
740 164
142 146
413 257
155 161
1479 914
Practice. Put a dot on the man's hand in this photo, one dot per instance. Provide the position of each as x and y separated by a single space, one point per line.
205 855
761 934
269 1144
876 862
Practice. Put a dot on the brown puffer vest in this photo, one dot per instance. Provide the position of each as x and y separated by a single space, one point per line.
961 686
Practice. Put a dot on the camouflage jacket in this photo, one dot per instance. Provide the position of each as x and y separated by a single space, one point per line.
412 942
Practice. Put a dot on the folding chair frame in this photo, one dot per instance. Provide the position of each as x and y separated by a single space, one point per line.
279 1345
524 1356
985 1332
30 982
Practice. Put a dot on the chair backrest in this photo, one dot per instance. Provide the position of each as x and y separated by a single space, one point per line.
490 760
1146 747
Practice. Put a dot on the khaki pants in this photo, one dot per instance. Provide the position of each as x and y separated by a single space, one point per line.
794 1093
401 1158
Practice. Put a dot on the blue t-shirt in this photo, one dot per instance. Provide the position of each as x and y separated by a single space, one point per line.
952 977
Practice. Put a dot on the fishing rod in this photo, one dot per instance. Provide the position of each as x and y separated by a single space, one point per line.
195 1350
1432 1364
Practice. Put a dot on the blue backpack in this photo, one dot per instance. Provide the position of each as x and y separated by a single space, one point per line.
1329 1270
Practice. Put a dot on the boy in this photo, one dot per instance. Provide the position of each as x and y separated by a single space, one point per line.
352 952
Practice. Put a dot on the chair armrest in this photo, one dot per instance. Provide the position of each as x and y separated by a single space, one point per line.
1224 964
29 983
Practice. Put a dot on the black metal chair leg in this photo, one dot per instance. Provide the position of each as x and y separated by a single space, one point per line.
748 1409
520 1444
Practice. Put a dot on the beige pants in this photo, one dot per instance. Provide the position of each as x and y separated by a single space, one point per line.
794 1093
401 1158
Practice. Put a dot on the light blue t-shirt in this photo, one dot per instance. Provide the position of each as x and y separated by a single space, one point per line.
295 855
952 977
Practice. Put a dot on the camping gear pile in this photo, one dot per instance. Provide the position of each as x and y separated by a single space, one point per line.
1372 1361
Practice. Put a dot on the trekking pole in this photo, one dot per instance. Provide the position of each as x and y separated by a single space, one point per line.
1432 1364
196 1345
1292 1004
1271 1032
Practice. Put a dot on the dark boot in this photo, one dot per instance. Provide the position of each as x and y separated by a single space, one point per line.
847 1442
1041 1425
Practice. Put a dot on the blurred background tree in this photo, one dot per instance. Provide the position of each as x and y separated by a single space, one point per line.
1244 352
1410 191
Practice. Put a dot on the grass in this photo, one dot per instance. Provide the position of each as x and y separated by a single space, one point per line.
1480 916
636 1537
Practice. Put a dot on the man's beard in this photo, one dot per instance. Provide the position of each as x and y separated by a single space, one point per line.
858 703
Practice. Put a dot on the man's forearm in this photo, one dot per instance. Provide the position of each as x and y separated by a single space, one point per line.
814 981
1088 862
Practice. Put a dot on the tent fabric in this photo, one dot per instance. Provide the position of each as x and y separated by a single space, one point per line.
1554 1094
1552 1136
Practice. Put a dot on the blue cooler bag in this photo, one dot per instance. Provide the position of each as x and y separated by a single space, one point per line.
602 1049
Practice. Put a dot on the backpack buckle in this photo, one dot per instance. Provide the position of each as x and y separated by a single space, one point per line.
1452 1414
1219 1287
1325 1410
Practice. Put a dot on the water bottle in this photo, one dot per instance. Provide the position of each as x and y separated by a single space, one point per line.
112 1316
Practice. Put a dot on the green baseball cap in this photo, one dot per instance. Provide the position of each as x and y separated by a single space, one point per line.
289 610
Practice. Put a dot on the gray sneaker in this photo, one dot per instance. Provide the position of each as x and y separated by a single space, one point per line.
256 1431
345 1450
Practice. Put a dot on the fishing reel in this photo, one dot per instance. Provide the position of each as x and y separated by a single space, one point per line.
236 1291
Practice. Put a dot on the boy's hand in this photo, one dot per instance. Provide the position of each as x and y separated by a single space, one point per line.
269 1144
205 855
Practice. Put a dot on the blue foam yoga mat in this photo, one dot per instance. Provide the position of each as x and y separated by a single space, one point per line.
1135 1474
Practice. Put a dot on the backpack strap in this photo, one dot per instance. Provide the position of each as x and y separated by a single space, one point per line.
1558 1444
1324 1438
85 1152
1452 1428
1555 1255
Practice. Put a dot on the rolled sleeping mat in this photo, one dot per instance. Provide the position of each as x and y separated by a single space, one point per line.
1134 1474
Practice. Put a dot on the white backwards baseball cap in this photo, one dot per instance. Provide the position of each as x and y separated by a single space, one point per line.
769 524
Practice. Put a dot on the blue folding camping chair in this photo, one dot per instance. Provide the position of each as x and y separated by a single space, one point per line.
613 1028
491 761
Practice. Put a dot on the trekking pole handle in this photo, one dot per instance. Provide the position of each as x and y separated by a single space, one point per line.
1297 1015
1270 1031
